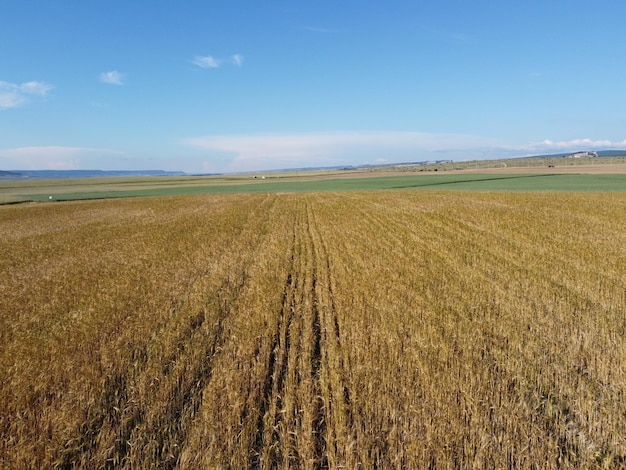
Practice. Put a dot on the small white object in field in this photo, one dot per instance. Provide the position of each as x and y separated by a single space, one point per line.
49 197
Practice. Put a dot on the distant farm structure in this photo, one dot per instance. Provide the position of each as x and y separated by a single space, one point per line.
582 155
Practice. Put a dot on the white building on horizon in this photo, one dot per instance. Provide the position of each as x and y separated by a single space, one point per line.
582 154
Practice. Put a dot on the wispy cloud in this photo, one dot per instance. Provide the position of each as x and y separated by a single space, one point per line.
112 78
52 157
571 145
255 152
13 95
272 151
210 62
206 62
237 60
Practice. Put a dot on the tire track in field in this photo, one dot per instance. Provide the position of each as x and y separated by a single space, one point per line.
293 420
189 370
333 378
320 403
289 423
400 241
117 435
276 369
231 289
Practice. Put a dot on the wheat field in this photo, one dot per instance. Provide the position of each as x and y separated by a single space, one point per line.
389 329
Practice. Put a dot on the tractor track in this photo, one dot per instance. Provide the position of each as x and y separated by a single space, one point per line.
123 416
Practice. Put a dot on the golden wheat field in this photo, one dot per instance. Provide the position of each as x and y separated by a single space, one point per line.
406 329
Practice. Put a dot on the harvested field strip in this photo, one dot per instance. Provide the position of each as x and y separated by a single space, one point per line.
393 329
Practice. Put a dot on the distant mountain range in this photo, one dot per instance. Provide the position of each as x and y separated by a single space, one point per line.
84 173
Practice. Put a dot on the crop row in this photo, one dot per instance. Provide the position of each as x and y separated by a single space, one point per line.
391 329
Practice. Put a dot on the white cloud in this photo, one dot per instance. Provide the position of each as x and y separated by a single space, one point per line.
274 151
254 152
206 62
112 78
51 157
36 88
13 95
547 146
210 62
237 60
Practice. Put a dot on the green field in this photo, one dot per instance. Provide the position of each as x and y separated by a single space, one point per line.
102 188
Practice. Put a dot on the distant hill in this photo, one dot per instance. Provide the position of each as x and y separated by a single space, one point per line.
9 174
611 153
51 174
84 173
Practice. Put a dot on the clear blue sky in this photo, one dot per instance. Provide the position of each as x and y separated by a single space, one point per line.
214 86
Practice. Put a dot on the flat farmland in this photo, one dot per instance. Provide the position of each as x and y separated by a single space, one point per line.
546 175
379 329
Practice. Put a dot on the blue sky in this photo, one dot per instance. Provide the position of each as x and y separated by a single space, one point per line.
228 86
